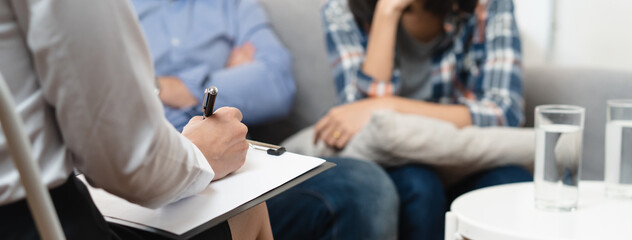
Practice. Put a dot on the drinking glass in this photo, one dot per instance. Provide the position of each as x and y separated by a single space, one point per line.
618 172
558 155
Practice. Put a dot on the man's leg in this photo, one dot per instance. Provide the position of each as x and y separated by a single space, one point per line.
354 200
490 177
422 202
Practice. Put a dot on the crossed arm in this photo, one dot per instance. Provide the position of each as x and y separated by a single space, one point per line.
174 93
257 78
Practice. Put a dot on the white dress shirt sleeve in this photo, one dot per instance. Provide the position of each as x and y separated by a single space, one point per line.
95 71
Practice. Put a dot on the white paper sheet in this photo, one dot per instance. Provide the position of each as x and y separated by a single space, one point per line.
260 174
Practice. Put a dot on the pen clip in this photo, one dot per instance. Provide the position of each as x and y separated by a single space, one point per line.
269 148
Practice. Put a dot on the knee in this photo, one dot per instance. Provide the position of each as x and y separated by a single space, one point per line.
366 199
366 182
251 224
418 183
354 199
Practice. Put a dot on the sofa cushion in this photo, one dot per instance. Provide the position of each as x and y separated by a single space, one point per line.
588 88
394 139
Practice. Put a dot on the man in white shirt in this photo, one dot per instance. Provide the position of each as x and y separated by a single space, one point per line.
82 79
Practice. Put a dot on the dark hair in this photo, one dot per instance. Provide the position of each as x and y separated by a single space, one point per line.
363 10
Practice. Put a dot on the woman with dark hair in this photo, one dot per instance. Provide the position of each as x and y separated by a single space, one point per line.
453 60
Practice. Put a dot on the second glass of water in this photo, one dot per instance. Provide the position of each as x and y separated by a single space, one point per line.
558 155
619 149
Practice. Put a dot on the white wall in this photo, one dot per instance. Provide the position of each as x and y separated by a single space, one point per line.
535 21
576 33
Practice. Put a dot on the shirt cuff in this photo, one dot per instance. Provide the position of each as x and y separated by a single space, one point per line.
373 87
205 172
201 160
380 89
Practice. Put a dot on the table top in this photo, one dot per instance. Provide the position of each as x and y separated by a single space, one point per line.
508 212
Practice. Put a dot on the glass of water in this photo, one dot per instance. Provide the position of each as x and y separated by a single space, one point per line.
558 155
619 149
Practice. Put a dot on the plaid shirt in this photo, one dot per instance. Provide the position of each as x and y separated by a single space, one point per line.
478 64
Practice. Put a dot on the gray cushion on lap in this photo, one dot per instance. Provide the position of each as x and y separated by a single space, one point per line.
393 139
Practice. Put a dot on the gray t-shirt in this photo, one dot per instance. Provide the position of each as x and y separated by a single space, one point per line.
414 60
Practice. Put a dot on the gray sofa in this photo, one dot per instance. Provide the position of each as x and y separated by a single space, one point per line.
298 24
589 88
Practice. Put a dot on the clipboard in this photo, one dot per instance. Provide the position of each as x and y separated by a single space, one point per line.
130 213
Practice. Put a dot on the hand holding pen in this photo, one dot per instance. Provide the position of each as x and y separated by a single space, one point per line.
210 94
221 138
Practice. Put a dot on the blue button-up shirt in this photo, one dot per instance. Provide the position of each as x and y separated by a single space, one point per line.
192 40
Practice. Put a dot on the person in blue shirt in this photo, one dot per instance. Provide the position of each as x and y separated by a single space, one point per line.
196 44
230 44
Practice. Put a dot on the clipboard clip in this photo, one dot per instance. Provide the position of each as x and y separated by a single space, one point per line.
269 148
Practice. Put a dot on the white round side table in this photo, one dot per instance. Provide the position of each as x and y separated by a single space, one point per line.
508 212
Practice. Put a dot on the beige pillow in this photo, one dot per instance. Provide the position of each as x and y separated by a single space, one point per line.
392 139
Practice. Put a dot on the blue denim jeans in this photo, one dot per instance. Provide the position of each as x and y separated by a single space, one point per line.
354 200
424 200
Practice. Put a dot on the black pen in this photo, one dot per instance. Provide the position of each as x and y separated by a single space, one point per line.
209 101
